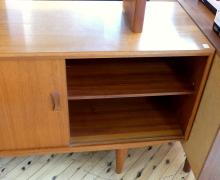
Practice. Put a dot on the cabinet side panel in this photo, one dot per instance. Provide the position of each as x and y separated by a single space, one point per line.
207 121
211 169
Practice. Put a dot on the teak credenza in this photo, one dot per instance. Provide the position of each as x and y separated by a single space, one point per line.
73 77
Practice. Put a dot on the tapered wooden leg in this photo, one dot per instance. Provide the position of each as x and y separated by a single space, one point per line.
186 167
120 158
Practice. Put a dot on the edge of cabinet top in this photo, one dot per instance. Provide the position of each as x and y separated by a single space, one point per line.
95 29
204 18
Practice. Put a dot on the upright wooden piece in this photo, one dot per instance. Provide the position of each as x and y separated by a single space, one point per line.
134 11
120 158
29 113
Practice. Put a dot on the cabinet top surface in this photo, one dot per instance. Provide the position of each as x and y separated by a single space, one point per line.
204 19
96 29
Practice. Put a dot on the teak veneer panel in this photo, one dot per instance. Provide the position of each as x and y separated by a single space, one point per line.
96 29
27 119
207 120
122 120
206 123
111 78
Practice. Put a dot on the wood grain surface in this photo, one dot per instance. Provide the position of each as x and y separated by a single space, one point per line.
122 120
27 118
206 123
128 77
204 18
96 29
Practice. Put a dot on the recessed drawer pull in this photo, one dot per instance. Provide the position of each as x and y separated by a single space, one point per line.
56 100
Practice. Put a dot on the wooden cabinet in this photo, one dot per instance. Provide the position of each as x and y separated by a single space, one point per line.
28 118
78 81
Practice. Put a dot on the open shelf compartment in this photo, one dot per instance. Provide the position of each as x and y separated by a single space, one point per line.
113 78
121 120
132 99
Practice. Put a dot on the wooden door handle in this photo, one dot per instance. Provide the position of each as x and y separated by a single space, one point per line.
56 100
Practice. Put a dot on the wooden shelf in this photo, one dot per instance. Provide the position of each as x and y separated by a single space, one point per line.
115 78
120 120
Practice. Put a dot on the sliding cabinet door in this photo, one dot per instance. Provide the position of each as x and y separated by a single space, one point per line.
33 103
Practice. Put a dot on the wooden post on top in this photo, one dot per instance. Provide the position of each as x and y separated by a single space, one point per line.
134 13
